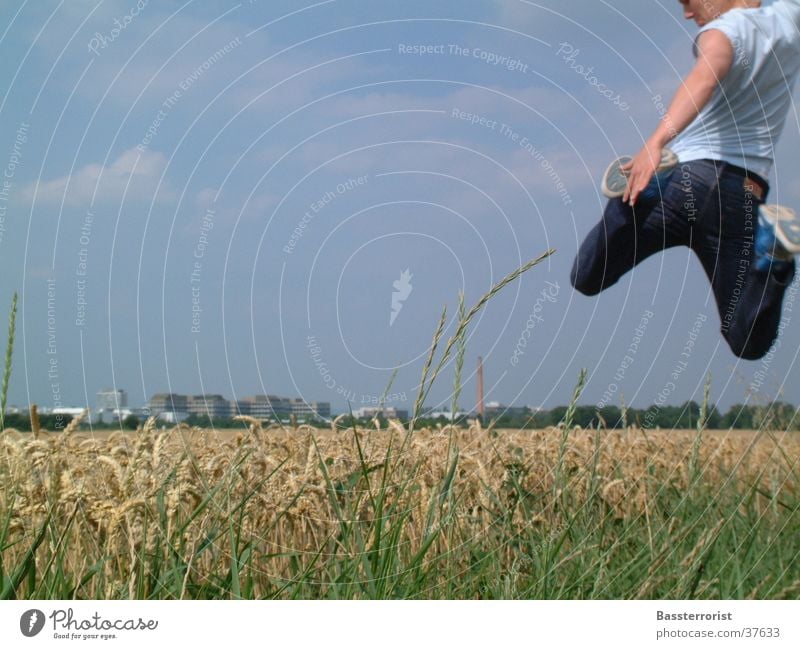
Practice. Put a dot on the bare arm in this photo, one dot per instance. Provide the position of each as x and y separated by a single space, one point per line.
714 61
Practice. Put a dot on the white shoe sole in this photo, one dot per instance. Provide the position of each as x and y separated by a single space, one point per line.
615 181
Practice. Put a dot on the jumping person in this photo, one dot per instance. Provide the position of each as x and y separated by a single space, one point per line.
724 120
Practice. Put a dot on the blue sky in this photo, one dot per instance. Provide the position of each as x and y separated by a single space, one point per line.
219 197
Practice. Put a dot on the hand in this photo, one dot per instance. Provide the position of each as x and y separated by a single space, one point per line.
640 171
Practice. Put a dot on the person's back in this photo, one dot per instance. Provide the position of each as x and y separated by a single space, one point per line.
745 117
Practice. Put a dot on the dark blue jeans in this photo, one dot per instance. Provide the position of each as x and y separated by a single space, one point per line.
705 206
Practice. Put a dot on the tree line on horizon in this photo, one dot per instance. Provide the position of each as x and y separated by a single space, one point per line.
776 415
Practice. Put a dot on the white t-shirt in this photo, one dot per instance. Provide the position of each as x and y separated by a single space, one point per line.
745 116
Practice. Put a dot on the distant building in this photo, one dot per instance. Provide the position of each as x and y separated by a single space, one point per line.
178 407
265 406
323 409
268 406
172 404
109 402
211 405
305 410
370 412
112 399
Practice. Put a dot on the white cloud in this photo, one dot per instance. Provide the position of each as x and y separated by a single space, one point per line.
138 171
205 197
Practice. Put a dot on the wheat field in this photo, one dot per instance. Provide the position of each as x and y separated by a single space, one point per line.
370 513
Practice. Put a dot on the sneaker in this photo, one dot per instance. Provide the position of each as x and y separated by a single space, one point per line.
785 224
778 238
615 181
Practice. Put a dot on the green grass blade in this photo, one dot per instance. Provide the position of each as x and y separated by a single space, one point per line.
27 565
12 319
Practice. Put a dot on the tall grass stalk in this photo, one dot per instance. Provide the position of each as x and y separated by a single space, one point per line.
569 418
694 460
623 410
437 336
462 328
702 420
12 319
460 352
569 415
